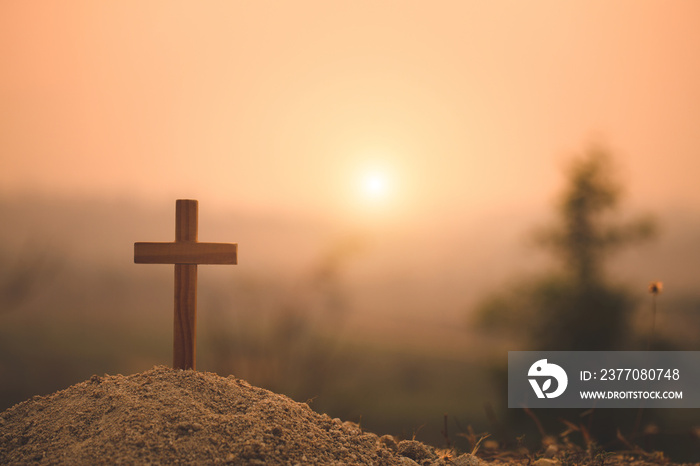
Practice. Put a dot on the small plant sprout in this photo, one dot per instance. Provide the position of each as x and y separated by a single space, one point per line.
655 288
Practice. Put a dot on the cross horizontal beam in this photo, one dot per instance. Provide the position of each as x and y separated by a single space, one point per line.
186 252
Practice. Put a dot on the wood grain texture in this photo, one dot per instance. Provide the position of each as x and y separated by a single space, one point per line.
185 252
185 317
185 324
186 211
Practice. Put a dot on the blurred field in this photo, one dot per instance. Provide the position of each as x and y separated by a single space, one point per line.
368 327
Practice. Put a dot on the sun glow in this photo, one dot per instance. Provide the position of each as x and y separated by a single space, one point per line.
375 186
375 193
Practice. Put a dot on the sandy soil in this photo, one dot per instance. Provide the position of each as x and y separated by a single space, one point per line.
167 416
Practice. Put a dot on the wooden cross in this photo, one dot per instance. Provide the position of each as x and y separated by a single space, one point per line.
185 253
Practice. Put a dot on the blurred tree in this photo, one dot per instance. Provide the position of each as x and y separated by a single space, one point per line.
575 307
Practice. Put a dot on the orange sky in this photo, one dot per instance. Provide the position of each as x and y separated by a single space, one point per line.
283 105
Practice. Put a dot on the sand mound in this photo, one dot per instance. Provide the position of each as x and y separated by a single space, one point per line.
166 416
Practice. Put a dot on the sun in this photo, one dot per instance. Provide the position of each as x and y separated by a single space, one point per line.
374 190
374 185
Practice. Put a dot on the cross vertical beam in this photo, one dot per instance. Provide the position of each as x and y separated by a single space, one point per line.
186 253
185 325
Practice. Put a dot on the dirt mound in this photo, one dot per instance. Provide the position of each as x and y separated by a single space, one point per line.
165 416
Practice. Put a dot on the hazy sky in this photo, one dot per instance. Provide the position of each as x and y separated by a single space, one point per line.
410 108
